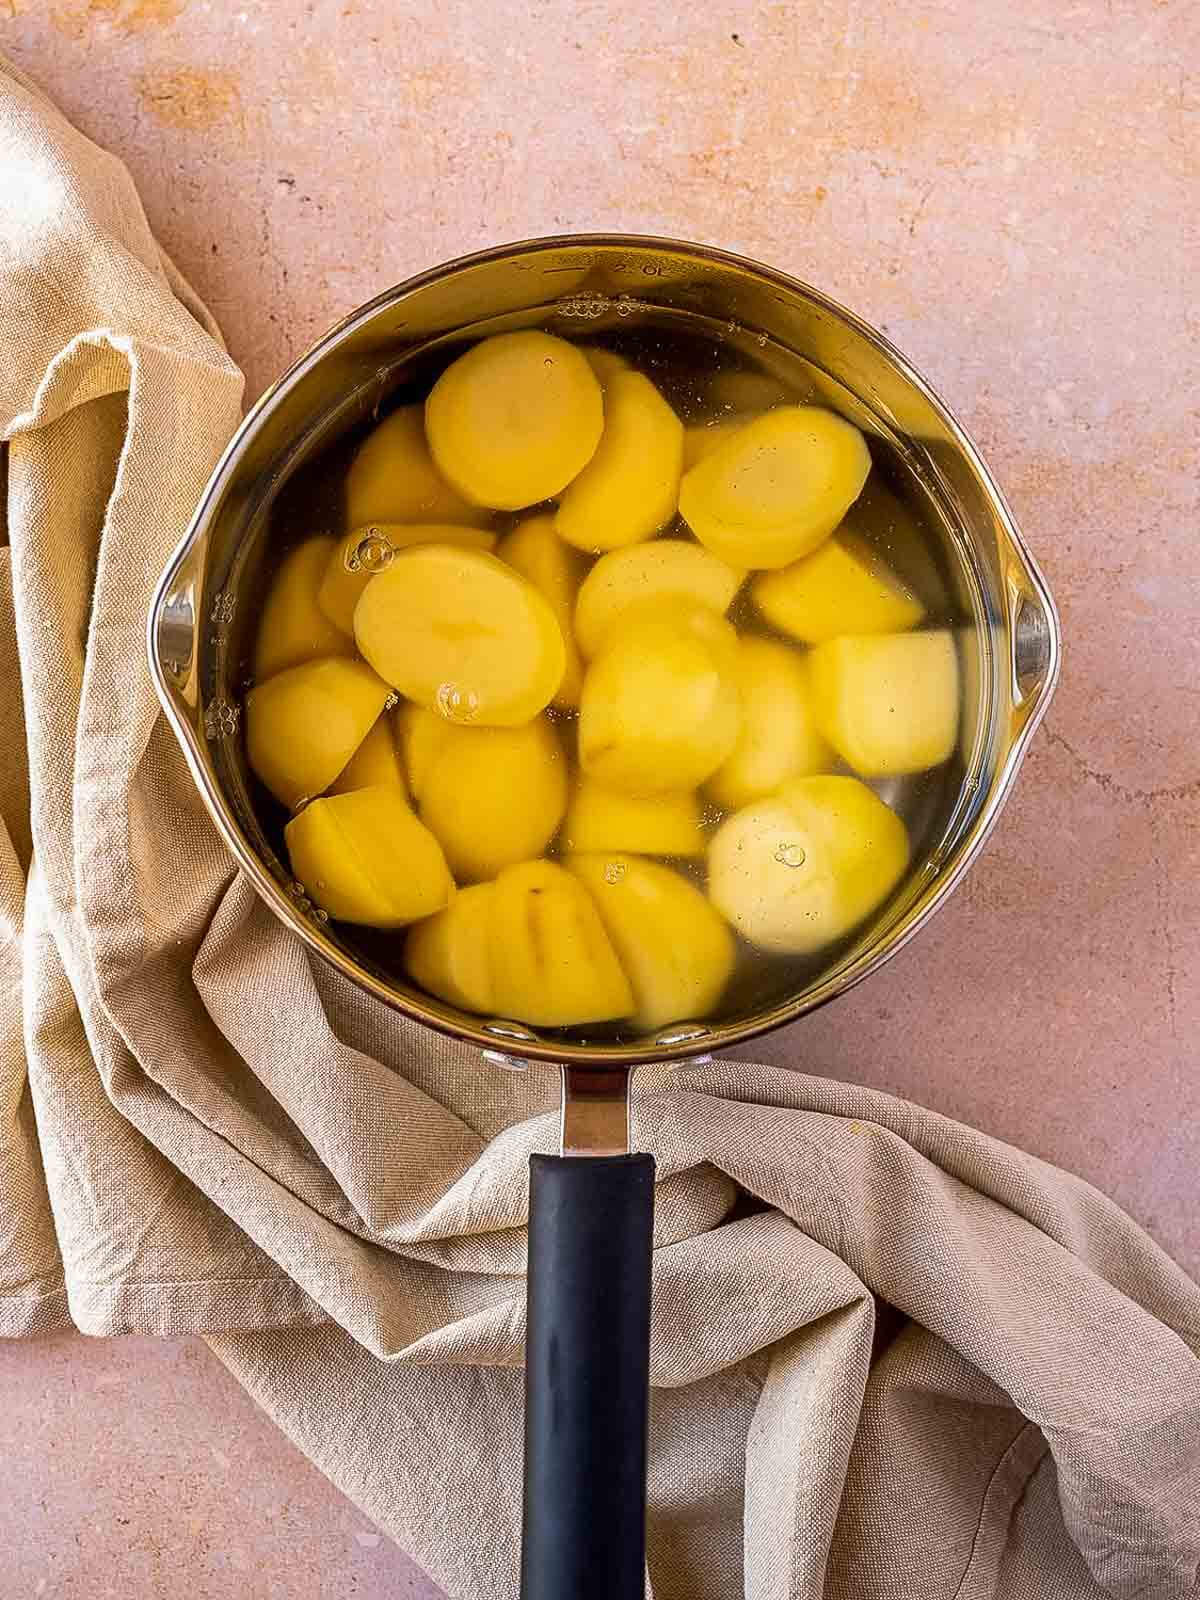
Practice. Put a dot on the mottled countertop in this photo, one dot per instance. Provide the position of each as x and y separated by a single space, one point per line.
1005 190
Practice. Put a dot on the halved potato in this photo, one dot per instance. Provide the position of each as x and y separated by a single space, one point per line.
779 736
393 479
747 390
604 363
515 419
778 487
794 872
630 487
293 627
651 825
676 950
888 703
364 857
422 734
304 724
700 439
460 632
376 761
552 567
450 953
357 559
842 587
552 963
643 577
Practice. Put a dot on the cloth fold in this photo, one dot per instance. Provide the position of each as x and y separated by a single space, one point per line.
892 1357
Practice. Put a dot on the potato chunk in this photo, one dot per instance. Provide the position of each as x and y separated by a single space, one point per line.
676 950
630 487
393 479
779 736
842 587
889 703
700 439
462 633
515 419
552 963
604 363
292 627
376 761
450 953
364 857
778 487
656 574
303 725
421 734
363 552
650 825
660 708
801 869
552 567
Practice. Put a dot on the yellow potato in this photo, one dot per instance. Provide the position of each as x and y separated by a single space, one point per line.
700 439
450 953
801 869
659 709
304 724
292 627
552 567
513 420
494 796
364 857
462 633
422 734
842 587
655 825
393 479
604 363
747 391
630 487
552 963
889 703
376 761
778 487
779 737
361 554
655 575
676 951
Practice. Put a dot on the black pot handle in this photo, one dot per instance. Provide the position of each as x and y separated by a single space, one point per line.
587 1360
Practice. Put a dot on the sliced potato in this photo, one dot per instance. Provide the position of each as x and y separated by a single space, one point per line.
645 576
778 487
654 825
888 703
460 632
393 479
362 553
700 439
292 627
376 761
304 724
552 964
604 363
422 734
779 736
515 419
494 796
676 951
659 709
747 390
630 487
842 587
364 857
796 871
450 953
552 567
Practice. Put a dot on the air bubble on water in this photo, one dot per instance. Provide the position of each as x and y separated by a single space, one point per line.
614 871
548 362
373 552
790 855
392 701
321 916
457 705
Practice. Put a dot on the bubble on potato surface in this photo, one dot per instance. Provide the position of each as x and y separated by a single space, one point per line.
373 553
614 871
457 705
790 855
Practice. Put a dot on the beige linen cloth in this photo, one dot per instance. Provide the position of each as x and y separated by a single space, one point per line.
892 1357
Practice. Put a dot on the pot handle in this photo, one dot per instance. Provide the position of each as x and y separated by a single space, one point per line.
173 632
587 1360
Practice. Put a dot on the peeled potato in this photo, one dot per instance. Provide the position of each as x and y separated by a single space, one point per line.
659 709
888 704
676 951
494 796
779 736
293 628
796 871
604 363
393 479
537 552
842 587
376 761
364 857
514 419
778 487
650 825
552 964
747 391
700 439
450 953
343 583
660 573
461 632
422 734
303 725
630 487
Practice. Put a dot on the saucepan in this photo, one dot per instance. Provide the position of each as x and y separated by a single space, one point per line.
591 1206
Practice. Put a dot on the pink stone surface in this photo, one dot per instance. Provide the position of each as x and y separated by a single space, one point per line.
1002 188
